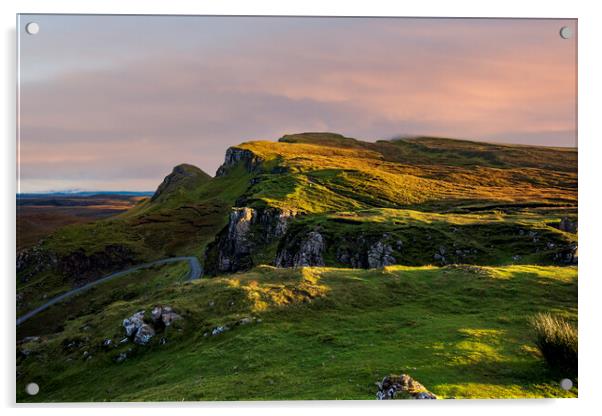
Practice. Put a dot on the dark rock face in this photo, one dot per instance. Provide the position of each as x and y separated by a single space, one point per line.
234 156
380 255
357 251
237 243
252 234
439 256
248 230
309 252
567 255
368 252
76 266
402 387
163 316
33 261
567 225
79 266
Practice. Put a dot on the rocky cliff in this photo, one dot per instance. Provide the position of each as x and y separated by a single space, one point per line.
309 248
285 240
77 266
234 156
249 231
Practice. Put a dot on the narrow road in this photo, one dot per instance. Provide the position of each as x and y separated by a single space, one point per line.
196 271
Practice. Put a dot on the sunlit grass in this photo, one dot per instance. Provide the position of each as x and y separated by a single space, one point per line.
325 333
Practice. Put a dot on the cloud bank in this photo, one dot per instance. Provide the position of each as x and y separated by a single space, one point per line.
116 102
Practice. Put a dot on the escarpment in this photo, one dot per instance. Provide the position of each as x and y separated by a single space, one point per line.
249 232
236 155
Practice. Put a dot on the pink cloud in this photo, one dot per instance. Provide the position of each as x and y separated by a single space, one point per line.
511 81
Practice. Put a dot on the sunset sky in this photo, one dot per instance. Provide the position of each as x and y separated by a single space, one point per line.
114 102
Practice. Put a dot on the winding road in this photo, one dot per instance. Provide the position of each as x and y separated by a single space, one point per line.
196 271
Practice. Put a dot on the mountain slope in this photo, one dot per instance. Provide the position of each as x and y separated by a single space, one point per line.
184 178
180 221
322 172
324 199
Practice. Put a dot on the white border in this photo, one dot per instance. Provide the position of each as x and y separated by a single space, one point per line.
590 175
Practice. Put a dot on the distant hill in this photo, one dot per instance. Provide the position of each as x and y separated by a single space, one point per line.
82 194
182 179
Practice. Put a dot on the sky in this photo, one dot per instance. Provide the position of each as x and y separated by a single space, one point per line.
115 102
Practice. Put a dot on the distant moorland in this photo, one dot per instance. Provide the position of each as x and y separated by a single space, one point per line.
39 215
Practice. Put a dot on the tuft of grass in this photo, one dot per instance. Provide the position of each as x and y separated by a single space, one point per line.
557 341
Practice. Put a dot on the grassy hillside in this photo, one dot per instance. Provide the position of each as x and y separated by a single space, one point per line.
326 172
140 284
494 204
487 238
325 177
323 334
181 221
454 246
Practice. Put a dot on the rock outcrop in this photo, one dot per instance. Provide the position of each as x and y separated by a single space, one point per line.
33 261
133 323
163 316
77 266
380 255
567 254
80 266
141 331
236 155
309 252
368 252
235 248
144 334
402 387
248 231
568 225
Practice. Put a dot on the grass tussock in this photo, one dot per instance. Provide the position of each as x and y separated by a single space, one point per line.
556 339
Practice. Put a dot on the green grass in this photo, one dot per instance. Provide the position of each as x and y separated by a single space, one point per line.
180 225
492 238
325 333
140 284
557 341
329 172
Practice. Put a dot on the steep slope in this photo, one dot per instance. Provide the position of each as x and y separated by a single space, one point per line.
184 178
185 213
325 172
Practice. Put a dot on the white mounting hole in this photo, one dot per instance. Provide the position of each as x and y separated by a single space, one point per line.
32 389
566 384
566 32
32 28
